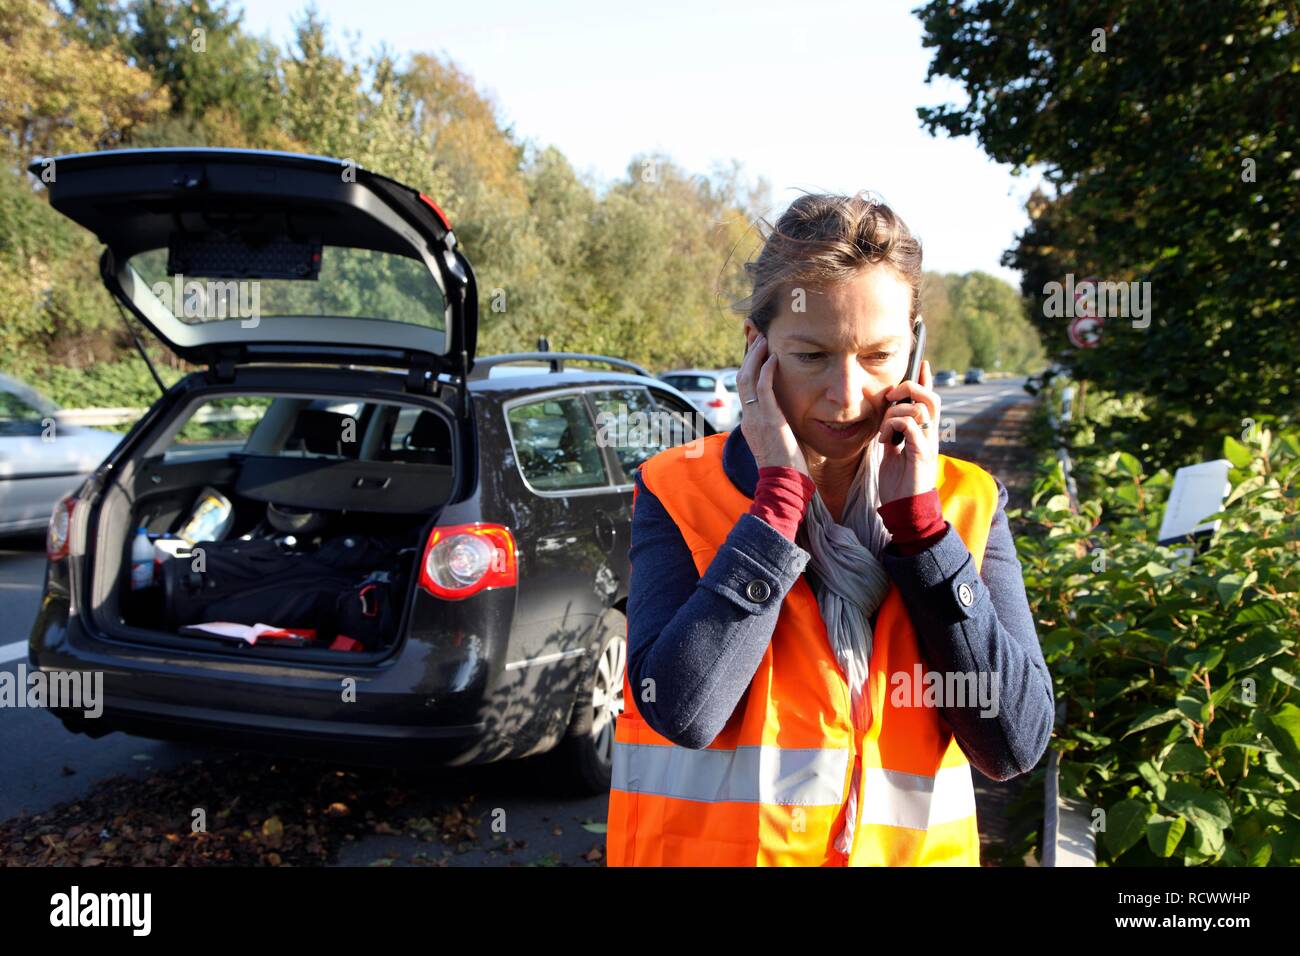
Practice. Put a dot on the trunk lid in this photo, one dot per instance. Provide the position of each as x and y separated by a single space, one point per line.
232 256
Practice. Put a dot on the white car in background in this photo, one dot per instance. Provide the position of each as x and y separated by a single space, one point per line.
42 458
712 391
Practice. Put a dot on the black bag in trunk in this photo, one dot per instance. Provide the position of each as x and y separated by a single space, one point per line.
343 588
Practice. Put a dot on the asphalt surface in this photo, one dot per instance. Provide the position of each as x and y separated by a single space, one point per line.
41 764
519 816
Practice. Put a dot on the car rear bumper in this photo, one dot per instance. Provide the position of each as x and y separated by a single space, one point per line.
418 705
723 419
381 744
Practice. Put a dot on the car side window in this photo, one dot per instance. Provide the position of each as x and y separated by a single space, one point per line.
17 418
555 442
327 428
402 429
628 421
218 426
416 435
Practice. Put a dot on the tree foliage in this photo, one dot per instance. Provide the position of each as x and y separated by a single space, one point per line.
1175 666
1166 133
978 320
60 95
644 267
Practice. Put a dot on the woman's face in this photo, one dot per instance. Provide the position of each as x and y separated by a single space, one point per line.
838 357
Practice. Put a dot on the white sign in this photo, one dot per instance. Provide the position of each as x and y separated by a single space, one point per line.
1198 492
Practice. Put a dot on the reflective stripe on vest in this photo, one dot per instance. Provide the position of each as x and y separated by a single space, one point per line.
777 775
897 799
794 777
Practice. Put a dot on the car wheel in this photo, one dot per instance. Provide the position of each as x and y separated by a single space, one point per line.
588 748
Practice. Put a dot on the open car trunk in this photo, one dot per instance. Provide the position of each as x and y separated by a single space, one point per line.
237 258
315 538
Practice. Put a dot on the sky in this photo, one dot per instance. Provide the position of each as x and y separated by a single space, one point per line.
817 96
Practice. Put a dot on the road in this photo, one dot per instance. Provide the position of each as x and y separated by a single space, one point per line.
986 428
506 814
41 764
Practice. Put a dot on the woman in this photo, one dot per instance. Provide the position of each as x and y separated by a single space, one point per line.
827 719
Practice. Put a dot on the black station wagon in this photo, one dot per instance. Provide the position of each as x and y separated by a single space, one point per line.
343 412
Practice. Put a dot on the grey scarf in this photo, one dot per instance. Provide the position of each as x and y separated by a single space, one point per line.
850 583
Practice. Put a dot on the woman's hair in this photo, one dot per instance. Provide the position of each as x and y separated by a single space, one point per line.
822 239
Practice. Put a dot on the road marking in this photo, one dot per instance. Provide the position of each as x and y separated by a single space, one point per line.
982 399
12 652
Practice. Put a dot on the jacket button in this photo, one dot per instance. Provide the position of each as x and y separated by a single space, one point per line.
758 591
965 594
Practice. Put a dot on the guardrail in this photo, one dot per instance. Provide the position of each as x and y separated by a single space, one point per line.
1068 836
92 417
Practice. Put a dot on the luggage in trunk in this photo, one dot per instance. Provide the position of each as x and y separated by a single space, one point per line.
351 587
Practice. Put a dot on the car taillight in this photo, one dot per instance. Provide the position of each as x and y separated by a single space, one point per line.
717 403
60 531
463 559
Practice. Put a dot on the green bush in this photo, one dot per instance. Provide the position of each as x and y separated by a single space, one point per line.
1178 672
125 384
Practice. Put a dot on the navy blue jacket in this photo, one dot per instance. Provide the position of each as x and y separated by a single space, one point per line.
701 639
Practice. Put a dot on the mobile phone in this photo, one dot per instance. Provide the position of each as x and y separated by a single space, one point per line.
913 371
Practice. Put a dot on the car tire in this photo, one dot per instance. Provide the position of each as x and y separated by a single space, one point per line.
586 752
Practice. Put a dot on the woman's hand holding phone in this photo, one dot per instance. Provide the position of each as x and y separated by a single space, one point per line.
911 468
764 425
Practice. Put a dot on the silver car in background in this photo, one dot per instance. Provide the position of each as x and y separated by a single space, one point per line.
42 458
712 391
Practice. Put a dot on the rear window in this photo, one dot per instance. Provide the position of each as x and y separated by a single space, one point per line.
691 383
353 283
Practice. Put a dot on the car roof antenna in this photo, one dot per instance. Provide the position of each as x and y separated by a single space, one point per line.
139 346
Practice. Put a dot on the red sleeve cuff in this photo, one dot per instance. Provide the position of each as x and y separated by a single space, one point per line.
915 523
781 497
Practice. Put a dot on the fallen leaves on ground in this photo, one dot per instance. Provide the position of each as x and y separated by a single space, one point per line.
257 811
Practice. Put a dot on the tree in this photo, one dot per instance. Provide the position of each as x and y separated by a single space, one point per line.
977 319
60 95
225 85
947 345
1167 134
480 160
643 268
98 24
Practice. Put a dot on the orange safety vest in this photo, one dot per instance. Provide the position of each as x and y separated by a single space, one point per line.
771 789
